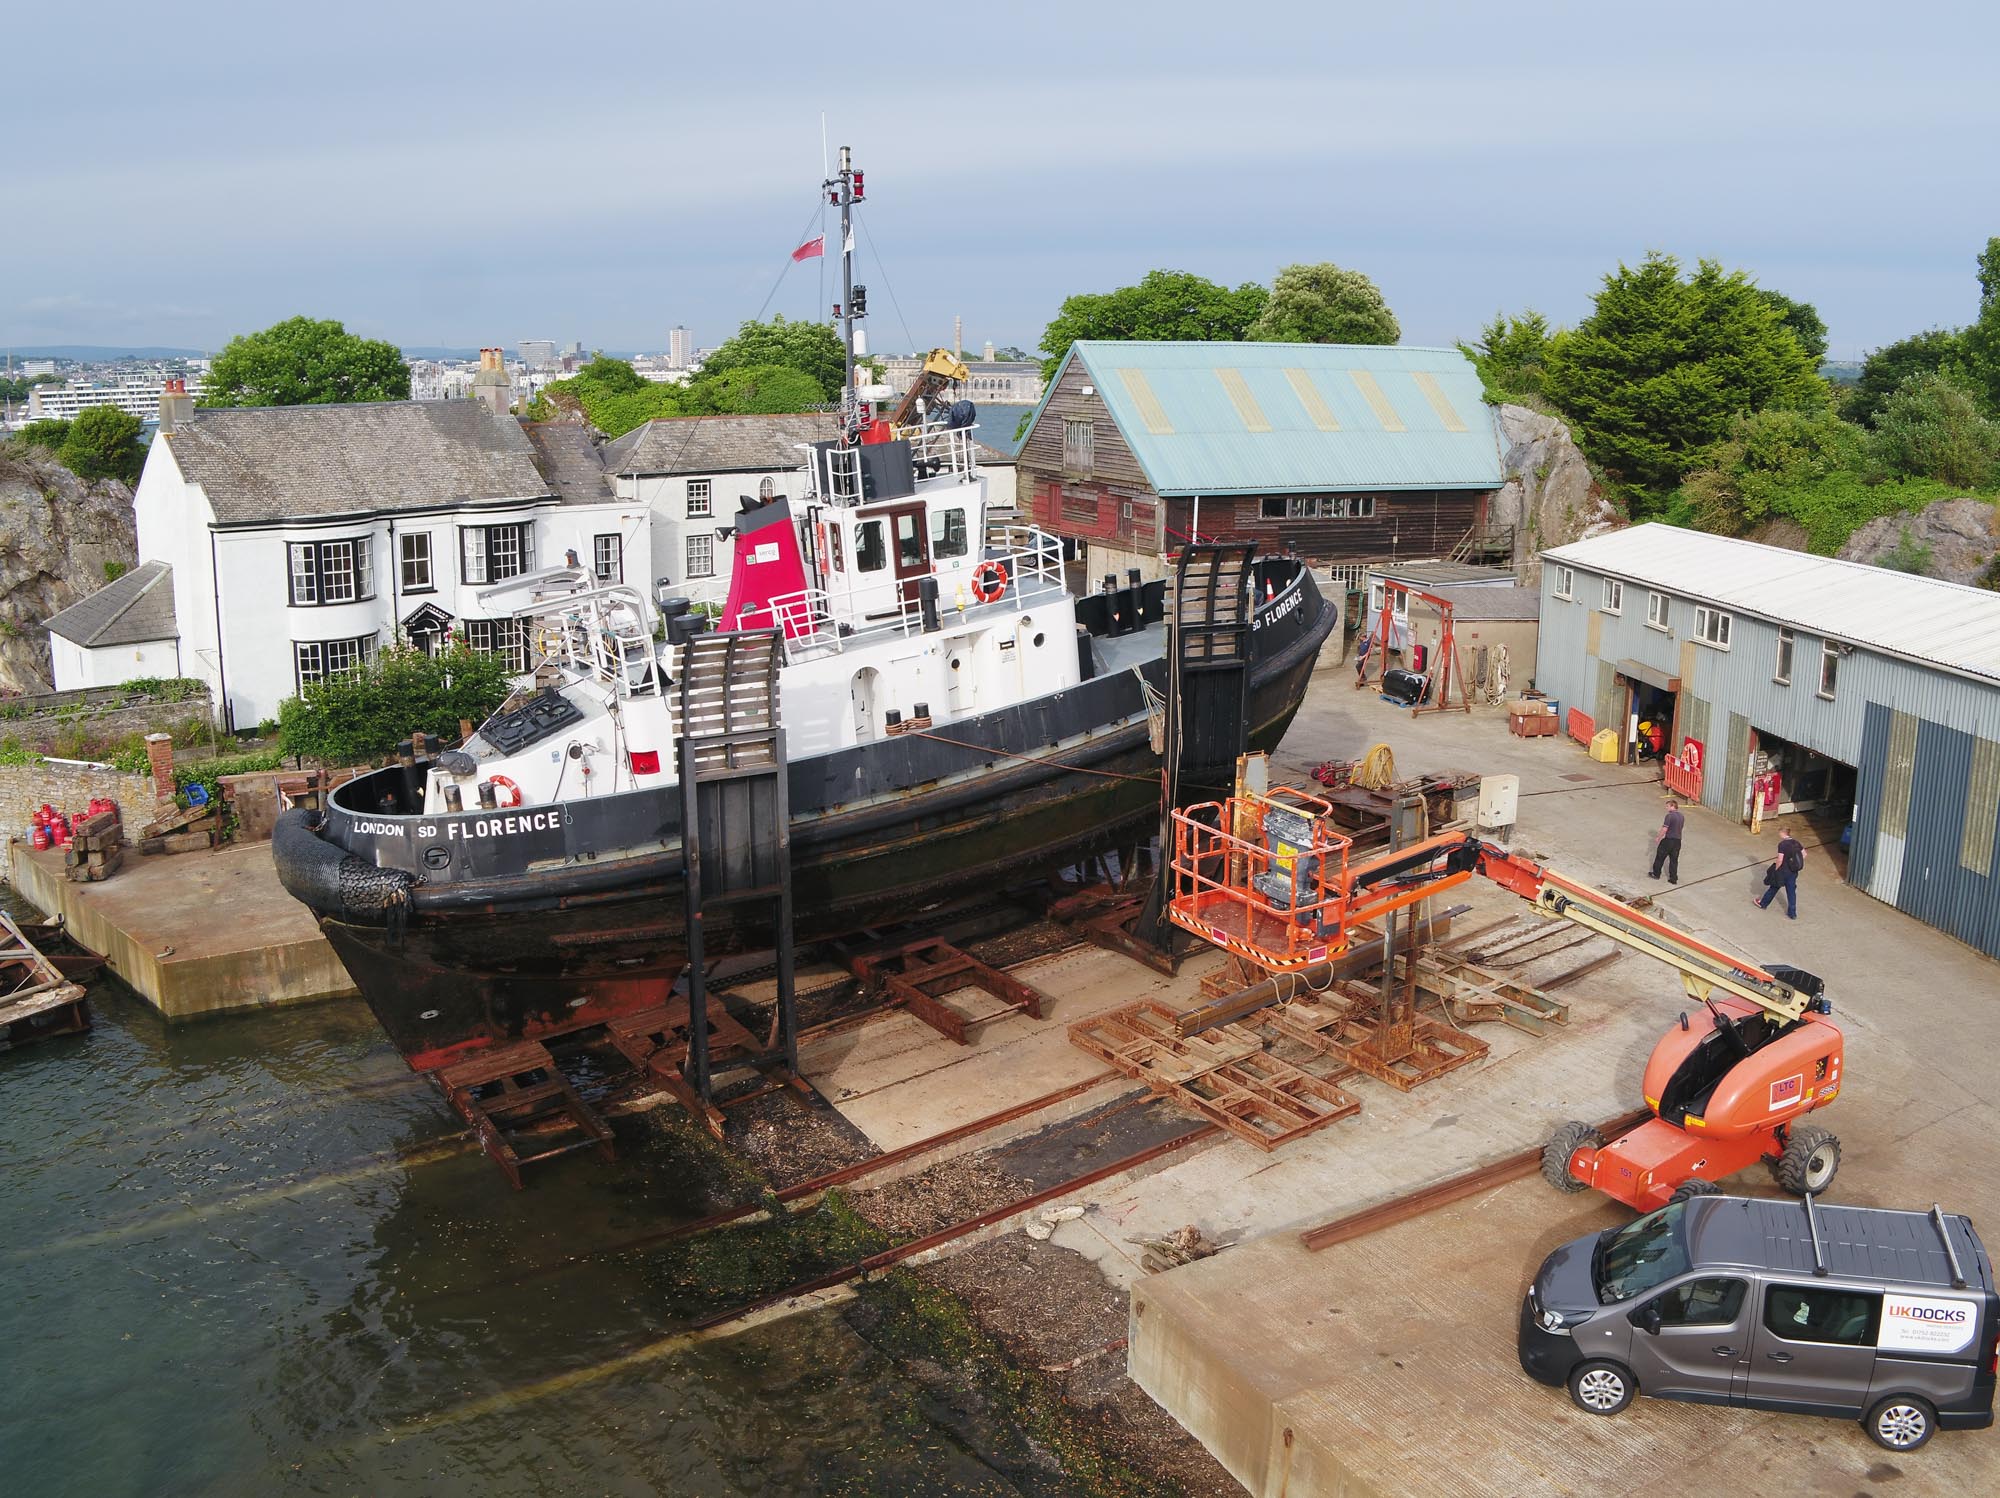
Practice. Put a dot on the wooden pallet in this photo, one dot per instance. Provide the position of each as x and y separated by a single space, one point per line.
506 1091
656 1041
1223 1075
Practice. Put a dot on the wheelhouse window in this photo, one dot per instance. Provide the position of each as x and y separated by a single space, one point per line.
1656 610
1079 446
494 553
1614 596
871 554
414 548
315 660
1711 627
324 572
1565 582
701 555
1782 672
503 637
1829 669
909 542
699 499
948 536
607 559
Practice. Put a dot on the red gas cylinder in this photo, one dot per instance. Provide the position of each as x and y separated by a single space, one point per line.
39 838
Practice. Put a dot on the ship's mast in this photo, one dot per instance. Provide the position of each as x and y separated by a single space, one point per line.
844 189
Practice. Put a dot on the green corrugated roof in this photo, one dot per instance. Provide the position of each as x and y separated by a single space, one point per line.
1277 418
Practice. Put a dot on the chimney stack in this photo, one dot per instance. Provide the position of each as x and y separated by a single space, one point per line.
176 405
491 384
958 339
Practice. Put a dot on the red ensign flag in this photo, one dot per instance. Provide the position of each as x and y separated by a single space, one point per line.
810 248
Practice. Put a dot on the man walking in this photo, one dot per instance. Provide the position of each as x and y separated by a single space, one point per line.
1784 875
1669 850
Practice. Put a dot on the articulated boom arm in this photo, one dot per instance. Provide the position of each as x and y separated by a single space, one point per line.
941 370
1703 968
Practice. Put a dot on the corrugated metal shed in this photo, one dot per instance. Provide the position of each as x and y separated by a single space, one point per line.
1278 418
1915 618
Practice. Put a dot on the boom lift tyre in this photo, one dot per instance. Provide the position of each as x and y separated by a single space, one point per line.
1810 1158
1266 875
1562 1148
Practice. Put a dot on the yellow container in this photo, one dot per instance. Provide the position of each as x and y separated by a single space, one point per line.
1604 745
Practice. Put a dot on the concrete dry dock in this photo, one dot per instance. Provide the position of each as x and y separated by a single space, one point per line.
1390 1358
193 933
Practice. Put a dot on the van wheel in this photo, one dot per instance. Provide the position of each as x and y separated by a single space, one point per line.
1694 1186
1811 1157
1565 1142
1603 1388
1902 1422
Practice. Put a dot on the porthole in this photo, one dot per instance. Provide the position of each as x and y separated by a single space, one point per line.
430 1014
1038 641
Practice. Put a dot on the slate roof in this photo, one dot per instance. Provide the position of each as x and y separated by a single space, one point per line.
1294 418
717 444
1916 618
570 458
131 610
734 444
273 463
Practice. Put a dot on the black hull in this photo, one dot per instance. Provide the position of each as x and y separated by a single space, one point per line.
536 953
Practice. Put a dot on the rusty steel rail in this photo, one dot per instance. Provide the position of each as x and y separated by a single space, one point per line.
1400 1209
890 1257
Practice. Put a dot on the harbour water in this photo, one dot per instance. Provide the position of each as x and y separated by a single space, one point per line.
254 1256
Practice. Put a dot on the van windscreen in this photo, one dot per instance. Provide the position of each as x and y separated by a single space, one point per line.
1633 1259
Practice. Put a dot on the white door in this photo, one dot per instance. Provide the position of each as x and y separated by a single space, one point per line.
867 718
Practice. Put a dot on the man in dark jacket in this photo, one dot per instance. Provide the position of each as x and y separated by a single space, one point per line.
1669 850
1784 875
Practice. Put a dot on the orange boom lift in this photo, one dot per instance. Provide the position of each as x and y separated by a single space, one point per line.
1267 876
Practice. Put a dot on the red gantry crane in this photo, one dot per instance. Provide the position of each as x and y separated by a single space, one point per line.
1266 875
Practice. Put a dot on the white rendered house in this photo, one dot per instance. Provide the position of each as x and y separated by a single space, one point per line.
302 538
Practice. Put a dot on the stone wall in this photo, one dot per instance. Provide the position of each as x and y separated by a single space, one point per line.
68 787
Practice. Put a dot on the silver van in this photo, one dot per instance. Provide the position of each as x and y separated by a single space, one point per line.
1886 1317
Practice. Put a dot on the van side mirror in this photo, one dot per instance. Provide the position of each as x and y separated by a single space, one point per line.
1647 1318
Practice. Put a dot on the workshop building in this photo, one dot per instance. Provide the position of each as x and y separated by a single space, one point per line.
1864 700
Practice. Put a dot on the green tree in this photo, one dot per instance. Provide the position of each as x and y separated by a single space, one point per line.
1802 319
1886 368
50 432
103 443
1512 358
810 347
1165 304
17 390
753 390
304 362
1932 428
1650 381
359 715
1324 304
1980 348
1766 466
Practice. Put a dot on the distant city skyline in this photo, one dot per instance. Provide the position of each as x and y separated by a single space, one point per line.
1471 159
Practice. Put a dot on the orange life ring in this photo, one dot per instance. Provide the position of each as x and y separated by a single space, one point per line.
989 581
502 783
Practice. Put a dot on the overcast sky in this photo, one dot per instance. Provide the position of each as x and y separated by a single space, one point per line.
489 172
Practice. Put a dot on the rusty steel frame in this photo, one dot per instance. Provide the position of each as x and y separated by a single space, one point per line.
915 975
531 1089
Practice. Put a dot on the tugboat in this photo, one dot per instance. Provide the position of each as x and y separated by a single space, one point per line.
952 714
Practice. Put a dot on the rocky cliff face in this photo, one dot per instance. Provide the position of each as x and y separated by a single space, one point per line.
1961 537
1549 497
56 534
